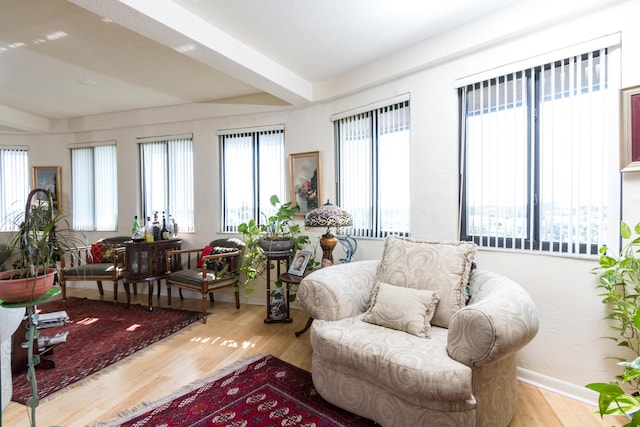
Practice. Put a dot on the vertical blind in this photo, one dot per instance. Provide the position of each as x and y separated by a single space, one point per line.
166 167
94 188
538 156
14 186
253 170
374 170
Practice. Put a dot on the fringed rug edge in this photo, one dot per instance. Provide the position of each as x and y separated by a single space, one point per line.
130 413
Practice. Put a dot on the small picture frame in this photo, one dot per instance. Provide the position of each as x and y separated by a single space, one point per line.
48 178
305 181
630 129
299 263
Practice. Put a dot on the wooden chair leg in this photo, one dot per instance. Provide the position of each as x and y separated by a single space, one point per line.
237 294
115 291
63 287
211 296
168 295
204 308
100 288
180 292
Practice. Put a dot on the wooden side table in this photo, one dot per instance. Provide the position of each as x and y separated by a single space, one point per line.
291 279
278 259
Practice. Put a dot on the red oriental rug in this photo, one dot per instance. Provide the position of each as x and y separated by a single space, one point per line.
261 391
99 334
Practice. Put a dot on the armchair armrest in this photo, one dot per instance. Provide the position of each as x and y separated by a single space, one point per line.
338 292
500 319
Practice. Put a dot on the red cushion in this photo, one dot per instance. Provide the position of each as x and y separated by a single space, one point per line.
206 251
97 249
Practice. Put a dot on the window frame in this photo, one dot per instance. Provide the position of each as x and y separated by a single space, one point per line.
534 174
260 202
375 228
185 226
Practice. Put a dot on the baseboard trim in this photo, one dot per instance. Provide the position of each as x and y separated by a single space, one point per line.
554 385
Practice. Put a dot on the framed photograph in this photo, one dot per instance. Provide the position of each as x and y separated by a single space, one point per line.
48 178
305 181
630 129
299 264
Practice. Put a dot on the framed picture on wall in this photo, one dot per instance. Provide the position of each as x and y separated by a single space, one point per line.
305 181
630 129
48 178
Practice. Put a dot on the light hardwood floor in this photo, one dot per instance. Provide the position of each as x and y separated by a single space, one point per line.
228 336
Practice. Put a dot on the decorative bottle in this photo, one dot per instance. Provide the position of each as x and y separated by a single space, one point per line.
135 228
165 231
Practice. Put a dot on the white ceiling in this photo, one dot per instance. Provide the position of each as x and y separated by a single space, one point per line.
64 59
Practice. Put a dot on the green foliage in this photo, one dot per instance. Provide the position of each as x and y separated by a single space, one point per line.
613 400
41 238
619 279
278 226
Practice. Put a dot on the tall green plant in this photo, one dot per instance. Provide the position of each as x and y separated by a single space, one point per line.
619 278
276 226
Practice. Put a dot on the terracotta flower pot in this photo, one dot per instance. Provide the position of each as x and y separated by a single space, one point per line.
22 290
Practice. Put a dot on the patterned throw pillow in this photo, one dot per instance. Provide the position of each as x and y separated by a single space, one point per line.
403 309
96 251
442 267
219 264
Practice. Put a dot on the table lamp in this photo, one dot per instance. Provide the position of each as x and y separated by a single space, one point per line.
328 215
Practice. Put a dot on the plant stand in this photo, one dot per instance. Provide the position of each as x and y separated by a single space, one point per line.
277 258
32 335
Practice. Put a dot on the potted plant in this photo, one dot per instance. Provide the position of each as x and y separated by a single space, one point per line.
277 233
619 278
34 251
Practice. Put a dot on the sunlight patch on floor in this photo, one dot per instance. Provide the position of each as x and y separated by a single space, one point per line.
230 343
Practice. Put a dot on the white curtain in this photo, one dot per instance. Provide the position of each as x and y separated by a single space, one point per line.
14 186
374 170
252 171
167 180
94 188
538 156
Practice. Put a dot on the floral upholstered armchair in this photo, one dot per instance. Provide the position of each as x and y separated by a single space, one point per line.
417 338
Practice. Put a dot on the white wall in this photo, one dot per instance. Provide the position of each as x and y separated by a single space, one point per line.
568 351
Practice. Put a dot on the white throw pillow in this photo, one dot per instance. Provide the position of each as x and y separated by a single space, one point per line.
442 267
404 309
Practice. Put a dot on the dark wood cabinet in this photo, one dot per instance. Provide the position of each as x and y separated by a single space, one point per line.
146 262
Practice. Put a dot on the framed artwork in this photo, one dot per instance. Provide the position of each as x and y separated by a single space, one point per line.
299 264
48 178
630 129
305 181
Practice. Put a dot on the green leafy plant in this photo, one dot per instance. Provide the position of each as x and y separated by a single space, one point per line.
41 236
259 238
619 278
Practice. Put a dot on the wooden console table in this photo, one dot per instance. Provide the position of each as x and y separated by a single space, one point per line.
146 262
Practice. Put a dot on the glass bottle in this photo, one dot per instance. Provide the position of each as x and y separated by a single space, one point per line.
135 228
164 231
148 230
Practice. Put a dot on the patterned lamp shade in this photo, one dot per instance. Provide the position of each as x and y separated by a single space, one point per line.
328 215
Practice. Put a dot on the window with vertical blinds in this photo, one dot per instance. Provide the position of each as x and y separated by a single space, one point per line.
374 170
166 177
537 156
94 188
14 186
253 169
